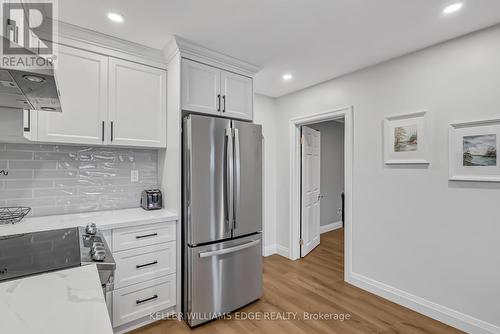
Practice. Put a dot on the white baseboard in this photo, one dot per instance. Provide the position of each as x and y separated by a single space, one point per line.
275 249
269 250
438 312
330 227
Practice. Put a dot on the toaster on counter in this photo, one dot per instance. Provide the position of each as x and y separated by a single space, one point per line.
151 199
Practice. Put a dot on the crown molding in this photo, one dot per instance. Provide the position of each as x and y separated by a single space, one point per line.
196 52
83 38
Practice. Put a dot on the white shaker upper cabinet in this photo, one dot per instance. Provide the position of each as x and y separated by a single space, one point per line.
82 80
137 104
237 96
200 88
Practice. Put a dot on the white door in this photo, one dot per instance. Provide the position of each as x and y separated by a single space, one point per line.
237 96
200 88
82 80
137 104
311 149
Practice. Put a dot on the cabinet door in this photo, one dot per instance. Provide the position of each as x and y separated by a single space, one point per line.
200 87
82 80
237 96
137 104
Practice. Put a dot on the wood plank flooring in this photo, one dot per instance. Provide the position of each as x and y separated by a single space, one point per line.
314 284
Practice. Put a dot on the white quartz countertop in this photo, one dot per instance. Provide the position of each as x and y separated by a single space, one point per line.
60 302
104 220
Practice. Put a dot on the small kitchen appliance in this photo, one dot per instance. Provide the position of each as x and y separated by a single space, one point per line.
151 199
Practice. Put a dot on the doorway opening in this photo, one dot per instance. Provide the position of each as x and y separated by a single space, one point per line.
296 126
322 184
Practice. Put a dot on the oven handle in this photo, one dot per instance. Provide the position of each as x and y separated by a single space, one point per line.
229 250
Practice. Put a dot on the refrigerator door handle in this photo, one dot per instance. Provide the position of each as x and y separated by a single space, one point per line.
237 170
230 250
229 178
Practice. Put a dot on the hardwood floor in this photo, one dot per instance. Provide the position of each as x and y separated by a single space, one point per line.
314 284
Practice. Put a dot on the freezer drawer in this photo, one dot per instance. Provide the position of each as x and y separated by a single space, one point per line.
222 277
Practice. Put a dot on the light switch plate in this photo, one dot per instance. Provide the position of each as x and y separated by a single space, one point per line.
134 175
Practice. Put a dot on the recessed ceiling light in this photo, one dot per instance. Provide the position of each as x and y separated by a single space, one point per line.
453 8
115 17
287 77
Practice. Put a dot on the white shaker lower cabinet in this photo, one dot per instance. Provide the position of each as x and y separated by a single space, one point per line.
82 80
137 104
142 299
142 264
145 276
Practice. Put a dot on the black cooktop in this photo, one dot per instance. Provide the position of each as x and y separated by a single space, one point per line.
38 252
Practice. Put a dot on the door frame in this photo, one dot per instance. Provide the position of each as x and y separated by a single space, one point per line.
295 163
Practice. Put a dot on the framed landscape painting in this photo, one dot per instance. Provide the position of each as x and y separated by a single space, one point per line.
473 151
406 139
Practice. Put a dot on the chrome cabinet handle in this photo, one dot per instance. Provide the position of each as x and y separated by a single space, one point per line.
146 235
229 250
112 130
140 301
237 172
224 99
229 178
139 266
218 102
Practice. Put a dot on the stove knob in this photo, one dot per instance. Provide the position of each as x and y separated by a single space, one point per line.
91 229
99 255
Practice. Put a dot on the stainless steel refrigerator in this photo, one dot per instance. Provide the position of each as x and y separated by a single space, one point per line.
222 216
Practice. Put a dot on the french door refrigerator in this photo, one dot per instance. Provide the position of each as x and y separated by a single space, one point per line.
222 216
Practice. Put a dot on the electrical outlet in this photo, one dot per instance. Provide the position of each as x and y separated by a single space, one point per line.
134 176
339 211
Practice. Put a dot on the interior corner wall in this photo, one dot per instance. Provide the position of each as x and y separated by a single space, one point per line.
332 170
265 114
413 230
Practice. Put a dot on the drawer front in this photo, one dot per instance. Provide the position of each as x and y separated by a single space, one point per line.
140 236
145 263
139 300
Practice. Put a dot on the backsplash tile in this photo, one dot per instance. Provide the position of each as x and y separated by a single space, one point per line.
58 179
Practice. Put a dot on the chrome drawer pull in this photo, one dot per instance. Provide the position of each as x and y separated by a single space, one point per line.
146 265
138 301
146 236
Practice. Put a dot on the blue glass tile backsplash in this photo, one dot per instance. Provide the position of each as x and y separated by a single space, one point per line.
57 179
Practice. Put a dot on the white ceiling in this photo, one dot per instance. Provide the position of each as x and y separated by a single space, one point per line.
315 40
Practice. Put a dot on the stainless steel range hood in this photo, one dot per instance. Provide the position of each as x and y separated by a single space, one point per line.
34 89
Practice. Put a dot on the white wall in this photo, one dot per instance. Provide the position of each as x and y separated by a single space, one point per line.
332 170
265 114
413 230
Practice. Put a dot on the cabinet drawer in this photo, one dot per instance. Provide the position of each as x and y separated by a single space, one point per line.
145 263
140 236
139 300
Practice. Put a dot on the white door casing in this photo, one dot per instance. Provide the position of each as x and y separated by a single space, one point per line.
310 192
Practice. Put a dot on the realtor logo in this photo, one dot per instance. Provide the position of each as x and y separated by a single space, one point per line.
27 26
